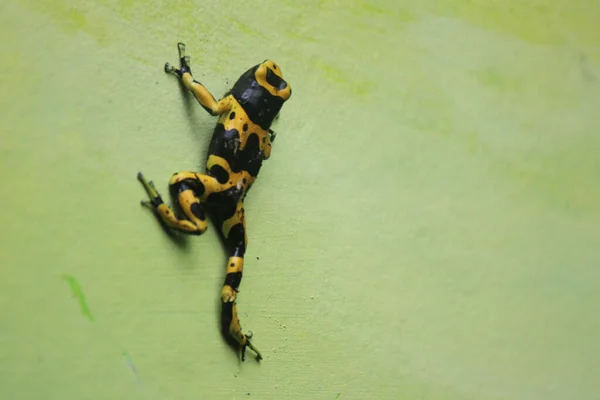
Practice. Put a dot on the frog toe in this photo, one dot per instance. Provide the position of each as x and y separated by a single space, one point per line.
185 64
149 187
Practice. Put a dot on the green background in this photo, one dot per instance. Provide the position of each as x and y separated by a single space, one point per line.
427 226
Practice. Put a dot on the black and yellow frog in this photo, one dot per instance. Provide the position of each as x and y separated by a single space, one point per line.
241 140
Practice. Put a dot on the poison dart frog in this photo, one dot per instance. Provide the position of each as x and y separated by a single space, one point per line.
241 141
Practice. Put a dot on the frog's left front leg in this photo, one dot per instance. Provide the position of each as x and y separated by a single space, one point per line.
204 97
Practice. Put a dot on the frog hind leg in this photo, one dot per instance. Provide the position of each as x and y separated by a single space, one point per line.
187 198
234 231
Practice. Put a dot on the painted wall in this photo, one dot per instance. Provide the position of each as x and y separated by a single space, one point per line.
426 228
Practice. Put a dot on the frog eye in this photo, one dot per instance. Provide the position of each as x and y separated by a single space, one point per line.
274 80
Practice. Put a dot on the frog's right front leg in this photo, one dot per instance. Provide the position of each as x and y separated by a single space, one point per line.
204 97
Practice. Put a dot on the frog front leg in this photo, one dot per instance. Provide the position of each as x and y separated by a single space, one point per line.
204 97
269 144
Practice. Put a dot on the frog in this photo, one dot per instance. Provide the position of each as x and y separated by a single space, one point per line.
241 141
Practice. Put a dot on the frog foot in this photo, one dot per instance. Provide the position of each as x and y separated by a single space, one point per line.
155 199
184 62
248 344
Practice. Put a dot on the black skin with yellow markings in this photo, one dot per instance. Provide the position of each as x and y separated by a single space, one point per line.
241 141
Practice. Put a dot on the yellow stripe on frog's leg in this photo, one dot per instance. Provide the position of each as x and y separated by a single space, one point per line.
181 225
204 97
233 278
237 218
234 230
167 215
191 190
189 203
203 185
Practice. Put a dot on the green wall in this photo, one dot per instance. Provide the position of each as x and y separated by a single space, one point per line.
427 226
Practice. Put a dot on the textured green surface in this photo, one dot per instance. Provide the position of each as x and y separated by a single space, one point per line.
427 225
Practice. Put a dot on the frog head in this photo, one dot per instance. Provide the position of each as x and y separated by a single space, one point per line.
261 91
269 76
